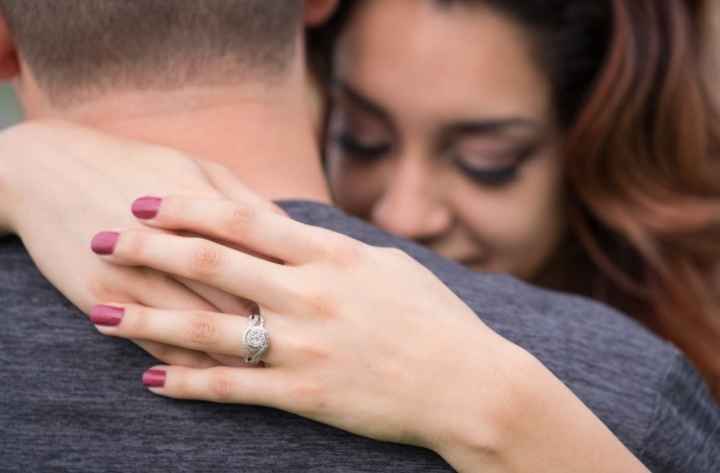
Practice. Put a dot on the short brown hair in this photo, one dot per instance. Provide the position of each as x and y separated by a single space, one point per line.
76 44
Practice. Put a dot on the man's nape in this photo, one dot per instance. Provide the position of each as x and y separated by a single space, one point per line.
220 80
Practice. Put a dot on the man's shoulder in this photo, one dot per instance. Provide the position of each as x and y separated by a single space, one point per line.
613 364
72 400
13 253
21 282
533 317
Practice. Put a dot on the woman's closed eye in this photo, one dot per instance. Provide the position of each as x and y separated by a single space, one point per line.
359 149
492 167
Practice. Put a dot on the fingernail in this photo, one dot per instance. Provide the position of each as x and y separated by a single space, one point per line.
146 208
154 378
107 316
104 243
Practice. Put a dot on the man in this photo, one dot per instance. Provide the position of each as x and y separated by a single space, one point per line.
204 77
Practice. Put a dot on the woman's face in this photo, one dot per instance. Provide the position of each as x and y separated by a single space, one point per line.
441 131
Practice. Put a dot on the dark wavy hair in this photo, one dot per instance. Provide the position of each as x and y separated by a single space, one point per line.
641 140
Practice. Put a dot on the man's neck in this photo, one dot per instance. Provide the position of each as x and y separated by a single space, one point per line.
264 136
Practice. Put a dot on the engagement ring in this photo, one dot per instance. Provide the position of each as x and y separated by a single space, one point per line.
256 339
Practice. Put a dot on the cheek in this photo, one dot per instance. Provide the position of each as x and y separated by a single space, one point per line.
519 226
356 187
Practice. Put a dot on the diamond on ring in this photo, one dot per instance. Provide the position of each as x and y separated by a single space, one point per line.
256 339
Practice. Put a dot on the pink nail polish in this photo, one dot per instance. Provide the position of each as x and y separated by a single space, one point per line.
146 208
104 243
154 378
106 316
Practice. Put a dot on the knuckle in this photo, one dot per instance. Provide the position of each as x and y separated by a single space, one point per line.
346 252
238 219
205 260
220 386
319 304
202 331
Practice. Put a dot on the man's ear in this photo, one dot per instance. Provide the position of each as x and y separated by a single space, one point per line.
317 11
9 62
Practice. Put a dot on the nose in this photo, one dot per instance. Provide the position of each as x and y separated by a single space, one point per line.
411 205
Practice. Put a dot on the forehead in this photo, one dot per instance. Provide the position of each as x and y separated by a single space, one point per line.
424 58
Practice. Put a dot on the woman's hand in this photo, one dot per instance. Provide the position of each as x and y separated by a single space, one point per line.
362 338
60 183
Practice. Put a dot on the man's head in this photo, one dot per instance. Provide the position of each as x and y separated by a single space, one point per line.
81 48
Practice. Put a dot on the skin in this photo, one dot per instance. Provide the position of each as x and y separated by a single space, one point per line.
321 381
181 252
328 357
435 139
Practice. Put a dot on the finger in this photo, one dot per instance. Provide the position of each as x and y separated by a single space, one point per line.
157 290
193 330
133 285
220 300
243 224
177 356
196 296
267 283
160 291
252 386
230 186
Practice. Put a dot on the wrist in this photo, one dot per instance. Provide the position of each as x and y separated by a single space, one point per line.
498 382
6 199
531 418
18 170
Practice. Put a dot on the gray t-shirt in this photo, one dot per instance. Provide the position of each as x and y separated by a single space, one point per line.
71 399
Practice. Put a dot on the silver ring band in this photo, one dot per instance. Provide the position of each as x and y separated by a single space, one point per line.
256 339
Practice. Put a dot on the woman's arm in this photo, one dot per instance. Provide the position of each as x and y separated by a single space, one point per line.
541 427
5 228
60 183
6 196
362 338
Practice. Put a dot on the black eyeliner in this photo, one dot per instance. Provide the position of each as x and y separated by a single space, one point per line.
358 150
491 177
500 176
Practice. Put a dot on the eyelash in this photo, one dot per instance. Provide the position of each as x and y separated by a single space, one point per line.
360 151
493 178
497 177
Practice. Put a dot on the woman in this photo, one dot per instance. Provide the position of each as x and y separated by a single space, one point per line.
582 161
230 391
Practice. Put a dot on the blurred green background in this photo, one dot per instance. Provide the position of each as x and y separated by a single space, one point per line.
9 110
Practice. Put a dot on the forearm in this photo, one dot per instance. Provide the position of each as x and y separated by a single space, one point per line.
536 425
5 197
23 176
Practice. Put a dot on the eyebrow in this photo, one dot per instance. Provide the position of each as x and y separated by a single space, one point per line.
489 126
492 126
362 101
